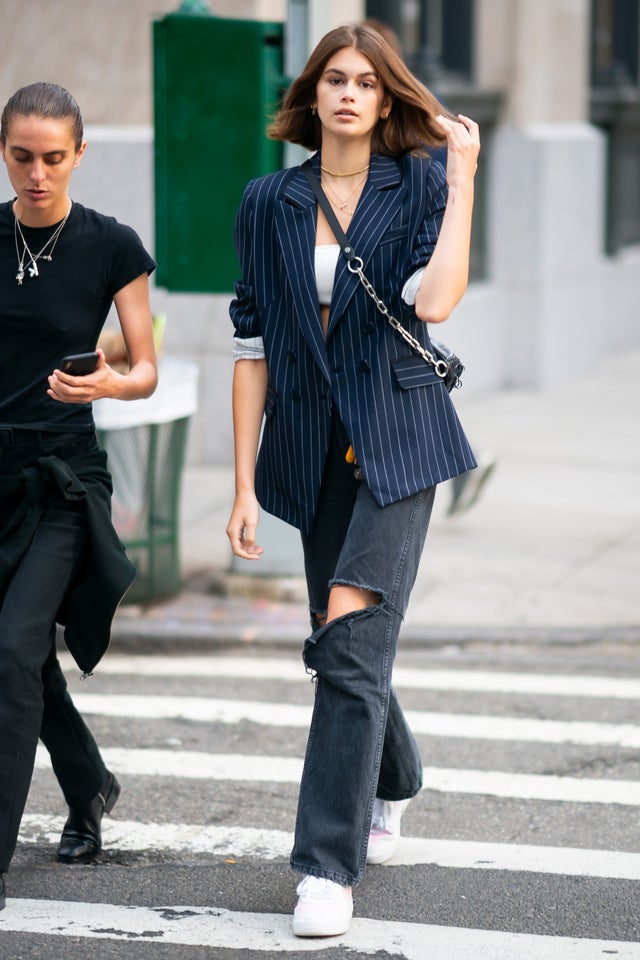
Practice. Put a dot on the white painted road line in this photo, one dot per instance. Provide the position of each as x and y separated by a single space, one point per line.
466 726
265 769
249 842
224 929
526 786
255 668
190 765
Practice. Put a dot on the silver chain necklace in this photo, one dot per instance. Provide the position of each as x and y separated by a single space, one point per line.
26 252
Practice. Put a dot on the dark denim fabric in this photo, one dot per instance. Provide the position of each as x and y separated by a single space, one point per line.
359 743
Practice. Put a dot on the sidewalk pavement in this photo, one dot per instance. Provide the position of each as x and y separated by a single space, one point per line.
549 553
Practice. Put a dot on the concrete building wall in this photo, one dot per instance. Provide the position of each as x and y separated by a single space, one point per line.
538 53
98 49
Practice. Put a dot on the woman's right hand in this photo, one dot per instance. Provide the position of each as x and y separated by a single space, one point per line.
242 527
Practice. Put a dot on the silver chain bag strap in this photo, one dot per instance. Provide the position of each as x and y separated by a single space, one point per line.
446 364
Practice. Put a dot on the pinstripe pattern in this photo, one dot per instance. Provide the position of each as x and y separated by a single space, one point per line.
401 422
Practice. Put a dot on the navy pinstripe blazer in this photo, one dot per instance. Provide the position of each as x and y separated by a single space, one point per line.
397 413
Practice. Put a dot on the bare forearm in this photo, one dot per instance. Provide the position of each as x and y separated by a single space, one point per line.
250 380
138 383
446 276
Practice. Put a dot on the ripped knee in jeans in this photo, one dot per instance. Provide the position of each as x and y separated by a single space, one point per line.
346 597
350 597
343 650
318 619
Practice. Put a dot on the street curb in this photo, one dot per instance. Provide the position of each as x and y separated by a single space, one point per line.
218 609
154 636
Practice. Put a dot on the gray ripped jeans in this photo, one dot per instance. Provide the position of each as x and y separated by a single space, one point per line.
359 744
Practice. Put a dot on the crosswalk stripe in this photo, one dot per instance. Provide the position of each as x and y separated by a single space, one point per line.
239 842
263 769
239 931
557 685
532 786
467 726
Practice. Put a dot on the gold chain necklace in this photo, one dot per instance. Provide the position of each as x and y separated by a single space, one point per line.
352 174
26 252
338 202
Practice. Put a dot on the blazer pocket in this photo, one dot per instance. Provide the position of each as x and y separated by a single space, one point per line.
396 233
415 372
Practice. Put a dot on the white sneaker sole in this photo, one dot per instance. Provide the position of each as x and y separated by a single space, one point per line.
315 928
382 852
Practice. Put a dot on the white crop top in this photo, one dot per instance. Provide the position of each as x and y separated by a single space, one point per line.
326 259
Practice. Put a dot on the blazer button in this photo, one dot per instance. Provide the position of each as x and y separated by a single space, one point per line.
365 366
295 394
368 327
336 369
292 356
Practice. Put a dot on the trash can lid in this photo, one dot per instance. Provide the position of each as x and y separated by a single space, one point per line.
176 396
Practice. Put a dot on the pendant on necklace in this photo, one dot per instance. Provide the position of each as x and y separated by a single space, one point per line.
42 254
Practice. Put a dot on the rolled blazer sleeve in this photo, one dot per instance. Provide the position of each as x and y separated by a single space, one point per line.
244 308
436 201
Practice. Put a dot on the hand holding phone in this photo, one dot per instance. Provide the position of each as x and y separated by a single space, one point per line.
79 364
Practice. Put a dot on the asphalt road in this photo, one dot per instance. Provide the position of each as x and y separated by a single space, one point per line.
524 844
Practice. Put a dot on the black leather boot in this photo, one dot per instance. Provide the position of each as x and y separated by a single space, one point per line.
82 837
3 892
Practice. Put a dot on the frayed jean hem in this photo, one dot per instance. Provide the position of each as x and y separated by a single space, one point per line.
323 874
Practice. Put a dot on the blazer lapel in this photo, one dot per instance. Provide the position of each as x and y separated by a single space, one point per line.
379 202
296 218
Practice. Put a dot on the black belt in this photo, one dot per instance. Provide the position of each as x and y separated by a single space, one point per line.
10 436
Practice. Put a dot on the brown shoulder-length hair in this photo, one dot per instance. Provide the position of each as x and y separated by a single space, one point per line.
411 126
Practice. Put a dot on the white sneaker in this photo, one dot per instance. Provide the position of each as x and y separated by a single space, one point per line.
324 908
385 829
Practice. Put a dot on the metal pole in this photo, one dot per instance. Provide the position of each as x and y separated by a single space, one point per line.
296 51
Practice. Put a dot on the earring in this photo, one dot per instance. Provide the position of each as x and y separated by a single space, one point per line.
313 110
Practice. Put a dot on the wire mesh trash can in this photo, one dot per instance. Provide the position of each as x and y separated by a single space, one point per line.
145 441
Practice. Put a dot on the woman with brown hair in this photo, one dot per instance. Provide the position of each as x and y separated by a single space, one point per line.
357 430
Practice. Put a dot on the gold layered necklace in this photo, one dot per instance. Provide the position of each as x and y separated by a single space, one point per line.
45 253
340 204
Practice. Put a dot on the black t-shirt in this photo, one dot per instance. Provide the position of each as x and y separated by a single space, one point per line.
61 311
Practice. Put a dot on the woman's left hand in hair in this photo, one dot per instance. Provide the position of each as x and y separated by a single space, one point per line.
463 147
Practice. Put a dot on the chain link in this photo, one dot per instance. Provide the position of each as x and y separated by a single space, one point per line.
441 367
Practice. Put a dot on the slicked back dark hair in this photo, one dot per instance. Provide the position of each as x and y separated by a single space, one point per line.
43 100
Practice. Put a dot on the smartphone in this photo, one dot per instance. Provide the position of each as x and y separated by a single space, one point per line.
79 364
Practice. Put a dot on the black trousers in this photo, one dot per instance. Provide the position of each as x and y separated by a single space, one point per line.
34 700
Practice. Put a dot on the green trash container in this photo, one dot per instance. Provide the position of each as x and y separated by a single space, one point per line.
145 441
217 81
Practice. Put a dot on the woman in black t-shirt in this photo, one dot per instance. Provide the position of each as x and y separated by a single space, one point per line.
62 266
